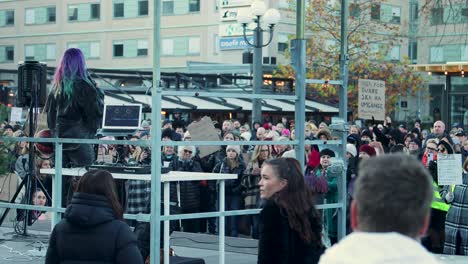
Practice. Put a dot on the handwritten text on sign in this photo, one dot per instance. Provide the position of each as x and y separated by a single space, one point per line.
371 100
449 169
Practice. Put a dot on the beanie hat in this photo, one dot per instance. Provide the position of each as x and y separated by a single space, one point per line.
446 145
325 132
354 139
166 121
233 147
367 132
367 149
351 149
327 152
285 132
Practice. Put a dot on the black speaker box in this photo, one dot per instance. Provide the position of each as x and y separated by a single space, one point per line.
32 84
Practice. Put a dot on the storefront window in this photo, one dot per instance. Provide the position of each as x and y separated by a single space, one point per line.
459 101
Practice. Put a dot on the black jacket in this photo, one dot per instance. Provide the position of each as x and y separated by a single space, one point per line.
90 233
77 117
279 244
189 190
233 187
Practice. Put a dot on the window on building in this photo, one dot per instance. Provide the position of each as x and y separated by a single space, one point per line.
51 14
40 52
194 5
7 54
118 9
464 53
40 15
181 46
413 51
393 53
168 7
386 13
455 14
84 12
437 16
354 10
436 54
90 49
130 48
130 8
143 8
180 7
283 43
7 18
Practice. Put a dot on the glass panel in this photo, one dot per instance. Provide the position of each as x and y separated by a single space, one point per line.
40 52
50 52
84 12
73 45
2 18
95 50
72 13
451 53
142 48
181 7
30 16
464 52
180 46
29 51
194 45
194 6
41 15
2 54
51 14
95 11
10 17
130 49
437 54
130 8
118 10
167 46
118 50
459 109
10 53
168 7
143 8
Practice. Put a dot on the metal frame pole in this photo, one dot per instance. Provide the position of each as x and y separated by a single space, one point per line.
298 51
257 72
344 60
222 222
155 242
57 184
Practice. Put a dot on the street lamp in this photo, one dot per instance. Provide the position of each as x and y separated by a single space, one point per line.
271 17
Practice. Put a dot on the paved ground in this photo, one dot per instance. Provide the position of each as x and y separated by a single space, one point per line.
31 249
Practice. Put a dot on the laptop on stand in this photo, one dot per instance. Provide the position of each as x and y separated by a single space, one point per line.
120 120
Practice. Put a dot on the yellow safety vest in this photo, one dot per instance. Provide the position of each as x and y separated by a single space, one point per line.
437 201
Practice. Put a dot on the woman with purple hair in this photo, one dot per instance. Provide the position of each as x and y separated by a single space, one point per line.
74 108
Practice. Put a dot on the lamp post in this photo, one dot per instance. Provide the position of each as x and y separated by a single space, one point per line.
256 14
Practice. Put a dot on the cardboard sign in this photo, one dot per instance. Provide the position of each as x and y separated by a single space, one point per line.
371 101
16 114
449 169
204 130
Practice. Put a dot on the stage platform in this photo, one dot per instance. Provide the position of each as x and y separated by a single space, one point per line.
19 249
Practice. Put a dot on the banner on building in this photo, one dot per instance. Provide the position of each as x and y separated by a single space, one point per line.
371 101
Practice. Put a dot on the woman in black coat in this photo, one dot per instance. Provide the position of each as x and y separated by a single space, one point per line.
290 226
92 230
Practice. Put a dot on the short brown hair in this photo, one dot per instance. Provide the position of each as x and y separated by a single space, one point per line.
393 193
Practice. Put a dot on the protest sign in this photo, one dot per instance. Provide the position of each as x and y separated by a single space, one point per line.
204 130
371 101
449 169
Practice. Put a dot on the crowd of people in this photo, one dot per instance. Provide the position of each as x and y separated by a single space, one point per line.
268 177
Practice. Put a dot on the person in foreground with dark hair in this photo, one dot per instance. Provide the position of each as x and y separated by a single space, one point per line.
389 213
93 230
290 226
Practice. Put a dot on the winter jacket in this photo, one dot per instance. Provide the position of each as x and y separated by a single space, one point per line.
233 187
91 233
279 244
77 117
189 190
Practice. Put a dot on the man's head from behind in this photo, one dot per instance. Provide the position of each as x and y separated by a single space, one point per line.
393 193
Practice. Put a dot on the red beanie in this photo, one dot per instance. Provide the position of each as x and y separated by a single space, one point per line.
368 149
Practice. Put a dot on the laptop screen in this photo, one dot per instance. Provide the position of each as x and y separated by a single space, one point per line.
126 116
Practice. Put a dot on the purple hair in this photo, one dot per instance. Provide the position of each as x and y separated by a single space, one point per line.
72 67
